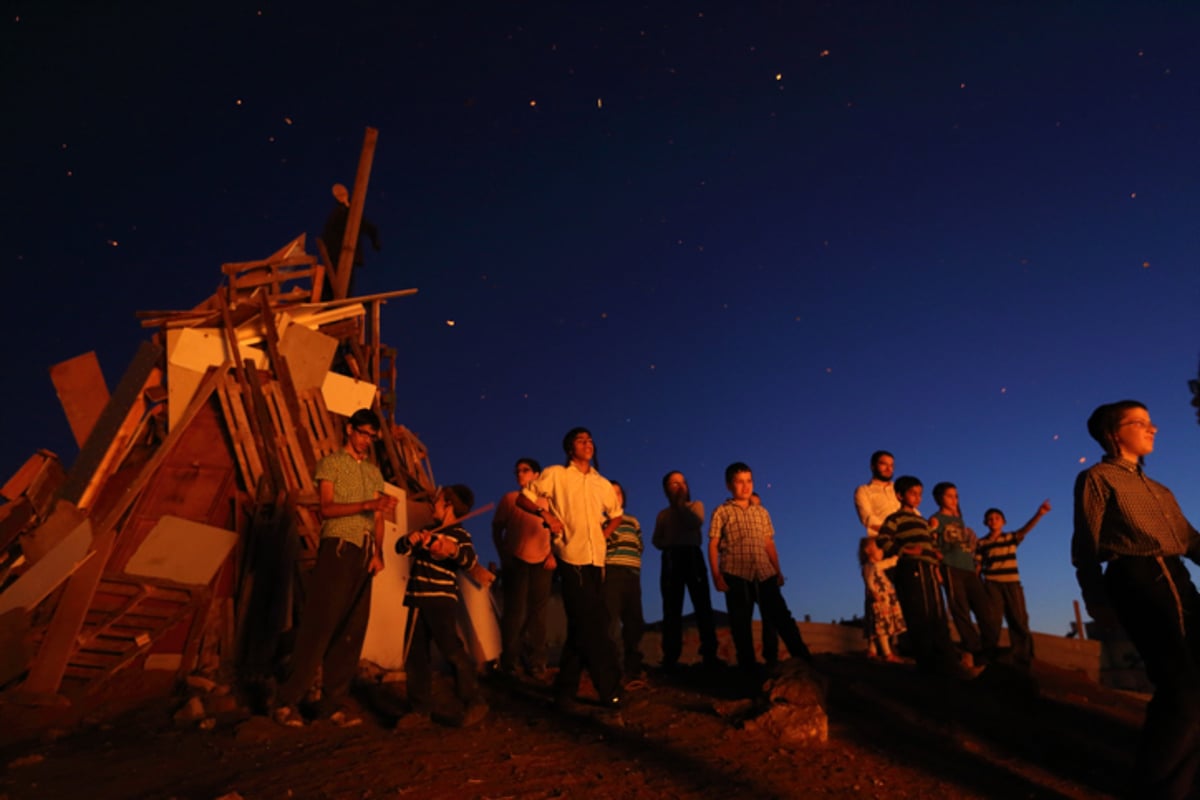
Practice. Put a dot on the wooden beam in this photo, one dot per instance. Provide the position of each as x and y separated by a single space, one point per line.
354 221
82 391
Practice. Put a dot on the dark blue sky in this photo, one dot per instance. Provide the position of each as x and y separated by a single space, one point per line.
788 234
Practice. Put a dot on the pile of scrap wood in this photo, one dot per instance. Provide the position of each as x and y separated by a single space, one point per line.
172 542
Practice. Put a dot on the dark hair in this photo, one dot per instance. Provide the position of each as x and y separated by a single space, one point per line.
1104 421
569 441
991 511
939 491
666 479
734 468
460 497
532 463
906 482
624 497
365 416
878 454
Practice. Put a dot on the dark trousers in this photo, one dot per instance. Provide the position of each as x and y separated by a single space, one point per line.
436 623
739 602
623 599
588 643
921 601
684 568
965 594
1008 600
523 624
1158 607
332 625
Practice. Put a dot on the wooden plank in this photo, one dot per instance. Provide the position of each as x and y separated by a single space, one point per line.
283 375
249 463
45 537
46 575
123 403
15 486
183 551
82 391
309 354
298 468
354 220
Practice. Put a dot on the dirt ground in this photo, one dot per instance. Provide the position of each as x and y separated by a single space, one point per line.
893 733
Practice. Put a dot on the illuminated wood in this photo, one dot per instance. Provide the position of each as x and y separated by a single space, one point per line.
82 391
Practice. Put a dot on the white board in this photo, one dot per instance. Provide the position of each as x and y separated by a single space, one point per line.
181 550
345 395
384 642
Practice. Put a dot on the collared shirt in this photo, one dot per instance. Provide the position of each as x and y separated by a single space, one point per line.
874 501
676 527
1121 512
743 534
625 544
523 534
353 481
584 501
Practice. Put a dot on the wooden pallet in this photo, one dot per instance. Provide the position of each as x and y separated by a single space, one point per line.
127 615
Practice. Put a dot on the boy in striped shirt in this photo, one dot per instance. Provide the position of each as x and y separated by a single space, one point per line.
433 595
998 556
623 589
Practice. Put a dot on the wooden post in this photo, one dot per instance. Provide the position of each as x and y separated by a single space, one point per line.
354 221
1079 622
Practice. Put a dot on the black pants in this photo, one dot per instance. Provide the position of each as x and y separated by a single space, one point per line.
739 602
332 625
523 624
920 599
1008 601
436 623
684 568
588 643
965 594
1158 606
623 599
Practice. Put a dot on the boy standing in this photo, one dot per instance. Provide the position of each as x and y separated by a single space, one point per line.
581 510
998 550
623 589
964 590
433 592
905 534
745 566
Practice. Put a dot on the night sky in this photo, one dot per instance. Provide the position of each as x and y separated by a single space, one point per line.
787 234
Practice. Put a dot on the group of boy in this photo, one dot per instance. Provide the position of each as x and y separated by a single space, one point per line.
979 576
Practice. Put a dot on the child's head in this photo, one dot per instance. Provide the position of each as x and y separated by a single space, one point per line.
526 470
578 446
945 494
457 498
740 481
620 490
908 491
674 484
994 519
868 550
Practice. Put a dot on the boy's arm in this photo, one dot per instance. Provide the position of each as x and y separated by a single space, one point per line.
714 564
773 557
1042 511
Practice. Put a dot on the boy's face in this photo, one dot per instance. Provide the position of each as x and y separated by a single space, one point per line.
440 506
994 522
360 438
676 485
582 448
525 475
950 499
912 498
742 486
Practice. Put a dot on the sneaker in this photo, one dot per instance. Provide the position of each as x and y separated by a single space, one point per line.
344 719
288 716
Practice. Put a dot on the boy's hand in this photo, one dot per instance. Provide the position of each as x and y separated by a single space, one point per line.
779 579
1044 508
549 563
719 583
443 547
553 523
376 565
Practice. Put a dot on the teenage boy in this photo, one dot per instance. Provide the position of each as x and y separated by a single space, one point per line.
998 552
333 621
581 510
905 534
745 566
964 590
527 571
677 533
433 593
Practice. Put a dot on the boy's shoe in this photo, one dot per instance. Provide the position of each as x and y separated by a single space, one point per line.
345 719
473 714
288 716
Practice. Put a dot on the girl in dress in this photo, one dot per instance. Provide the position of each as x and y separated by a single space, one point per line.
883 619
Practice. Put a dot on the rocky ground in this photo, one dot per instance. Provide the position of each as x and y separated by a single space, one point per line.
892 733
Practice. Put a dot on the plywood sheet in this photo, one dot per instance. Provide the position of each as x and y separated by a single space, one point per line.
345 395
180 550
82 392
384 642
54 568
58 526
309 354
200 348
